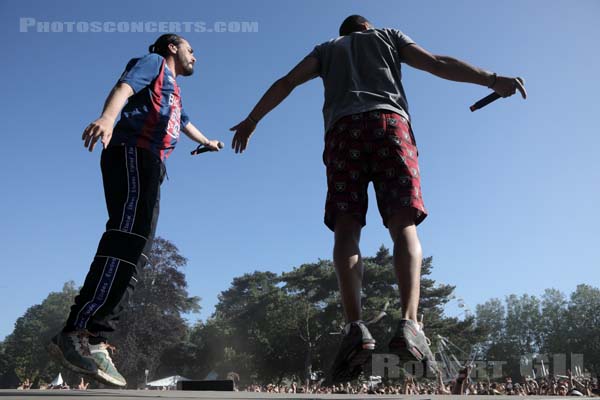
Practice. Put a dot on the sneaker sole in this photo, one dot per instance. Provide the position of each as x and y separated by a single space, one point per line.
99 375
361 356
57 353
106 379
355 360
405 348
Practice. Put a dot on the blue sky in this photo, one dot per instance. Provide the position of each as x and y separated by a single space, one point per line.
512 190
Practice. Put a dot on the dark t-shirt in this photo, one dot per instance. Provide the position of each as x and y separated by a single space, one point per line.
361 72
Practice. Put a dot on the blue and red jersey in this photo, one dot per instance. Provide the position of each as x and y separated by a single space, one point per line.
153 116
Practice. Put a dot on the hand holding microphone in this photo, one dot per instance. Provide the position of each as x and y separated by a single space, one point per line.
213 145
503 87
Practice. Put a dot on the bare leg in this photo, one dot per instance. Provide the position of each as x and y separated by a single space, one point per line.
408 256
348 264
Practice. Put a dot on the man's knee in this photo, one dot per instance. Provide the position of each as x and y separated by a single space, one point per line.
347 228
404 234
402 221
121 245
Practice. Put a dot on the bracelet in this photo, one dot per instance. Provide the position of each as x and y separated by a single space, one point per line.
495 76
255 122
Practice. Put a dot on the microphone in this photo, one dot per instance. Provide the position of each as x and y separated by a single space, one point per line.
203 149
485 101
489 99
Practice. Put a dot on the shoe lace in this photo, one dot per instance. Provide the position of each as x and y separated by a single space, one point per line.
422 326
104 348
427 340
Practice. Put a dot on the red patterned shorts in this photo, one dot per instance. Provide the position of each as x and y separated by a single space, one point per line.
378 147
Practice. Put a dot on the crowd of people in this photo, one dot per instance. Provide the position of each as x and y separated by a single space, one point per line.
557 385
548 386
27 384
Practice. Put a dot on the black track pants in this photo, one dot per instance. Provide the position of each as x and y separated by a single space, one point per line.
131 178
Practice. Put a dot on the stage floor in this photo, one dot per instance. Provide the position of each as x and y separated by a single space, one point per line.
104 394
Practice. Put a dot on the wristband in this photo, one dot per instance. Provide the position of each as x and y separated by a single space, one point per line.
255 122
495 76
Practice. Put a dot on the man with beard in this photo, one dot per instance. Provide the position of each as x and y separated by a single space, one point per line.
368 138
132 163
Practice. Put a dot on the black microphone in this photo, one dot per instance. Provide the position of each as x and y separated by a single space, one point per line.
485 101
489 99
203 149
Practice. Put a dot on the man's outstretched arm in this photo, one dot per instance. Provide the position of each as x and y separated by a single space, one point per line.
194 133
103 126
459 71
306 70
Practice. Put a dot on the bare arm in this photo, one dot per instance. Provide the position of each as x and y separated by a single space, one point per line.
441 387
103 126
459 71
305 70
194 133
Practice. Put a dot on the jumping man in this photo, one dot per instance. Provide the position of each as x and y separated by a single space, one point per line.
368 138
132 162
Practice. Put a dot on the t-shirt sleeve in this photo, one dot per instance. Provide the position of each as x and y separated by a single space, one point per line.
140 72
184 119
400 39
316 52
319 52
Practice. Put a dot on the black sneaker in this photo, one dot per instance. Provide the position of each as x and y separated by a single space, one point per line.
355 350
72 349
410 343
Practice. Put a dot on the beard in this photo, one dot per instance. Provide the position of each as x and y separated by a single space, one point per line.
186 67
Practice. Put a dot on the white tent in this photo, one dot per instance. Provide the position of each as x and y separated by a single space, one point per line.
170 381
57 381
212 375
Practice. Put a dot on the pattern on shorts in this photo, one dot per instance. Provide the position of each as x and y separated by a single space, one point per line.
378 147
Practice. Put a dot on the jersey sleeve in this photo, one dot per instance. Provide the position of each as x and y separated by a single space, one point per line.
184 119
140 72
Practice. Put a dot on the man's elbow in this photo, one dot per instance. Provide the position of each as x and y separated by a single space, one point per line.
286 84
123 88
436 65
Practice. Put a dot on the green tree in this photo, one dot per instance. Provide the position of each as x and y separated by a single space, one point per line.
553 327
526 325
258 318
24 350
150 329
583 325
312 288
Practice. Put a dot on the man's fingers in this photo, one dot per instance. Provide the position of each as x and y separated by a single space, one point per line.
87 139
520 85
93 143
239 143
94 134
95 131
87 134
106 140
86 131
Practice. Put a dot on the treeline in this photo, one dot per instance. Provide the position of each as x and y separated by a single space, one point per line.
269 327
